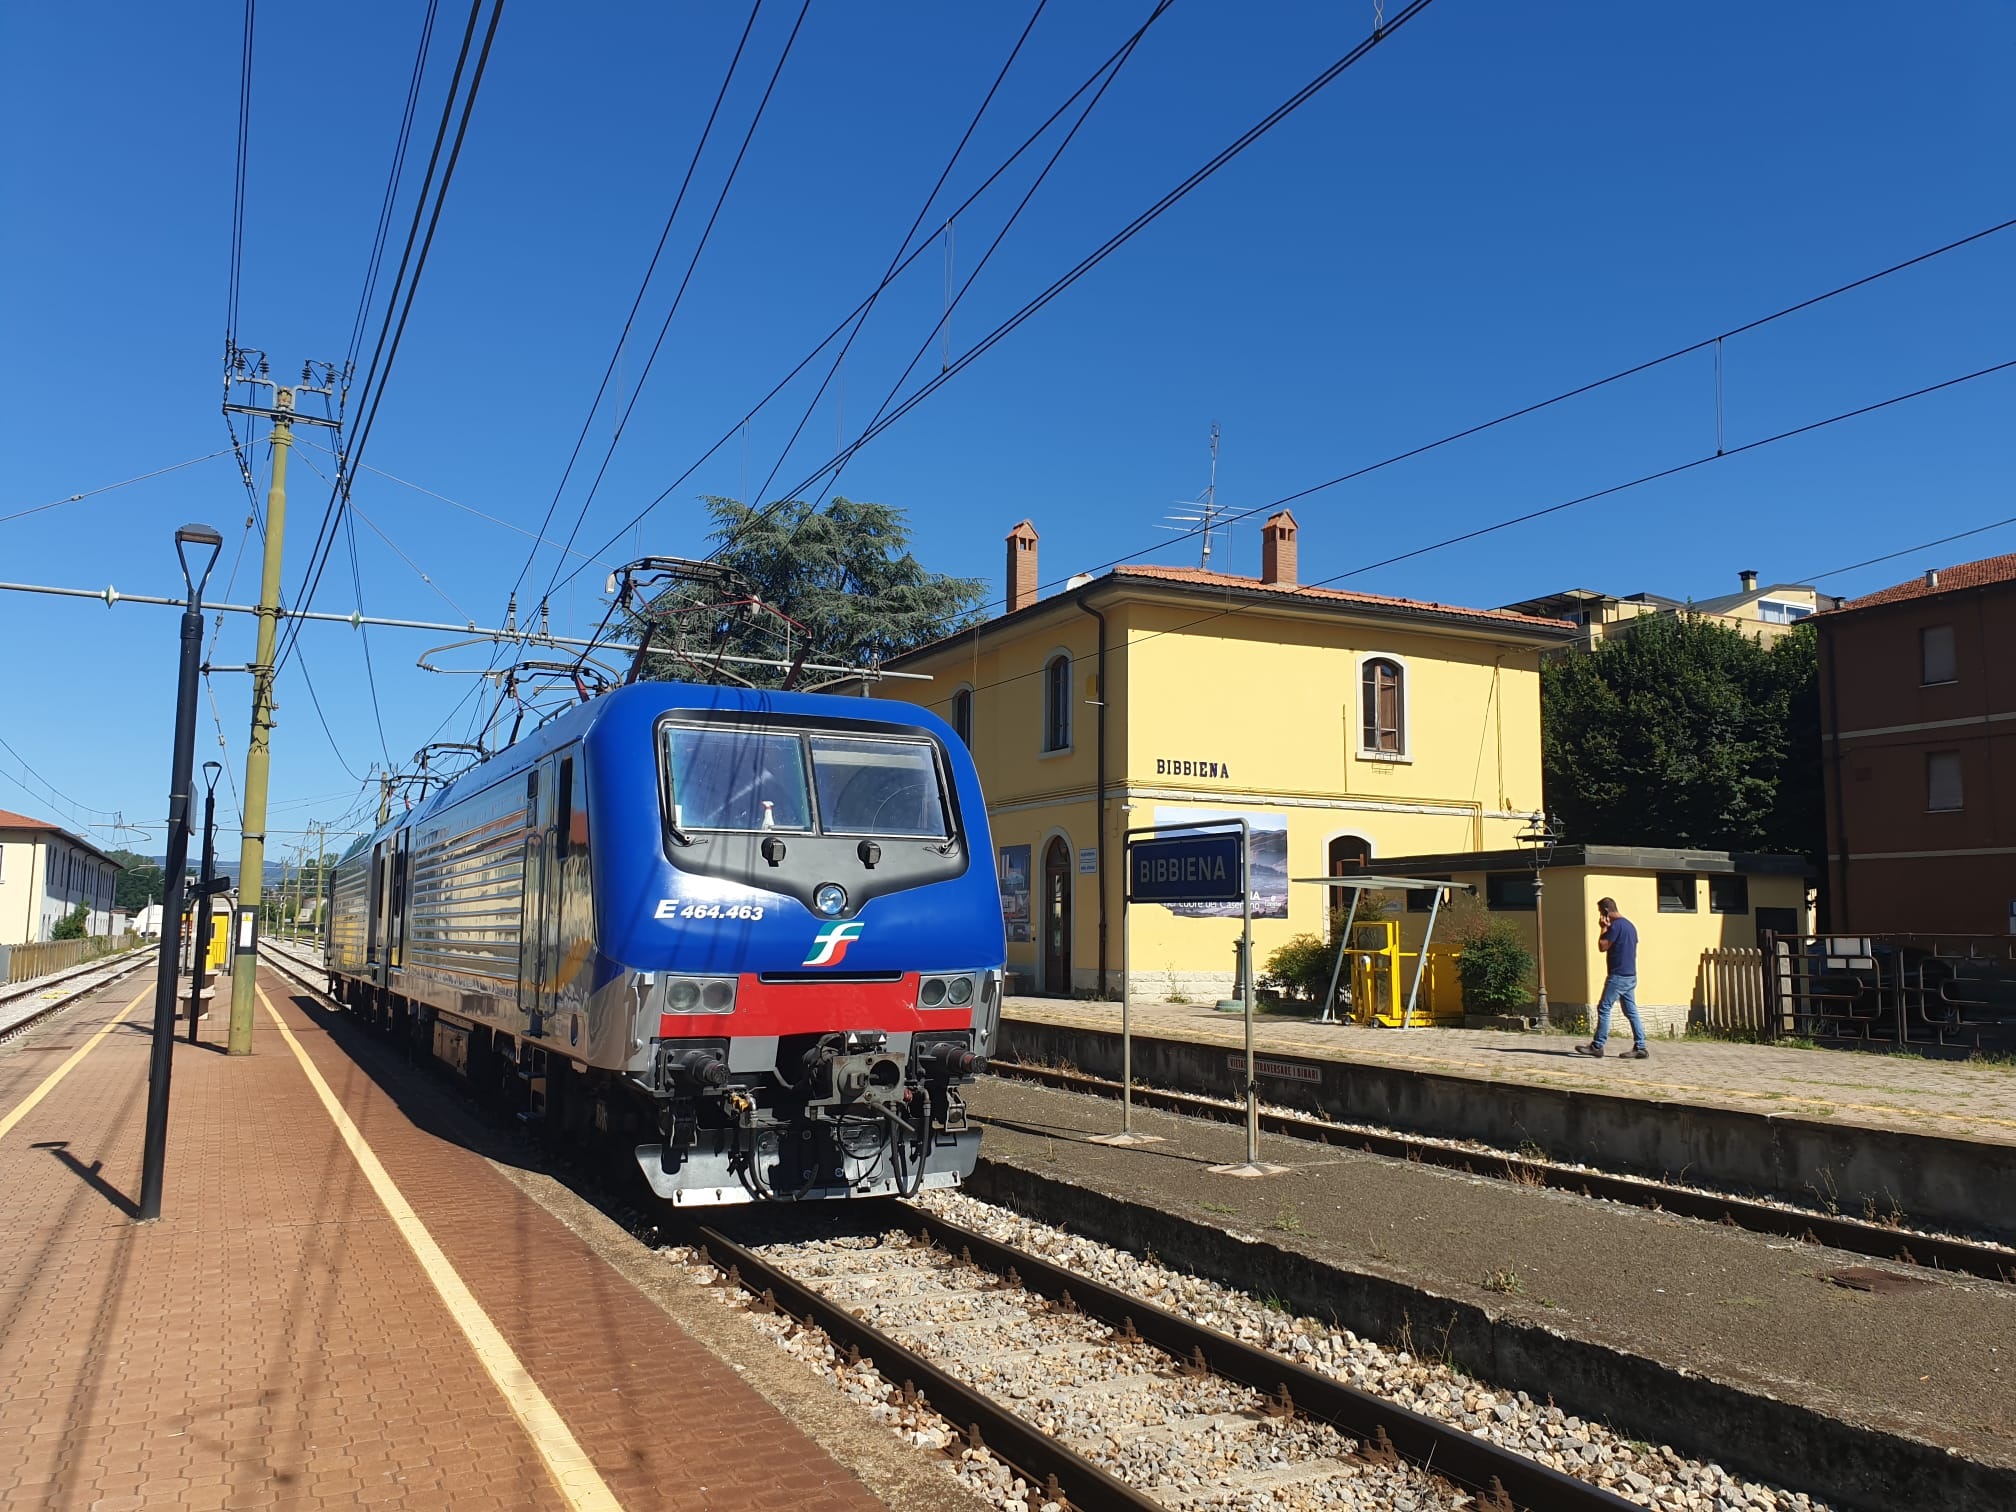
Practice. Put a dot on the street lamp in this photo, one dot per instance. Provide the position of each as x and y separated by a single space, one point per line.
206 888
174 880
1542 834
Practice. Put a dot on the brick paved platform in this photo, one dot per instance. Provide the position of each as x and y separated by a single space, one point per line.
277 1338
1898 1093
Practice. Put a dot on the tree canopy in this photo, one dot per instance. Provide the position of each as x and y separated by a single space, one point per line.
139 884
845 573
1687 733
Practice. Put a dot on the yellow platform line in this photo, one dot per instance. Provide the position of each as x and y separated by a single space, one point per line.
566 1461
27 1104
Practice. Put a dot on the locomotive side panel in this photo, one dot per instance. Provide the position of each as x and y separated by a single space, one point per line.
463 930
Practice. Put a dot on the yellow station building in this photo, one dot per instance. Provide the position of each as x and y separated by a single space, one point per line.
1346 727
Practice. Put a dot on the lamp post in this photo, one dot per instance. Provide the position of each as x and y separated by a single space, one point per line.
198 974
1542 835
174 877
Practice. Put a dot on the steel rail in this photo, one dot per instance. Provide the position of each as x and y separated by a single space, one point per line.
1042 1460
1854 1235
1496 1474
120 968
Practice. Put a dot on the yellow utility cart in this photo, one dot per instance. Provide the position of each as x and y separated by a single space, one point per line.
1392 988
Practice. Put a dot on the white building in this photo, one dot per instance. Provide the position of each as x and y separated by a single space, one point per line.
45 872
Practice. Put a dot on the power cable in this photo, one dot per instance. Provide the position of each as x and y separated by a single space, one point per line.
244 148
944 319
326 533
841 326
694 262
623 338
364 634
860 319
390 201
1891 556
159 472
323 720
1112 244
1528 516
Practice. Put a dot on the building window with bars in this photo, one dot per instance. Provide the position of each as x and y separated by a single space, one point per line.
1936 662
1383 706
1057 703
962 715
1942 781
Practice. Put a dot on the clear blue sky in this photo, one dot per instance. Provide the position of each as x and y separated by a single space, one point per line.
1501 202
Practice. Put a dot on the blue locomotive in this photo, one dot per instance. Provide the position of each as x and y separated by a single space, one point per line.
756 937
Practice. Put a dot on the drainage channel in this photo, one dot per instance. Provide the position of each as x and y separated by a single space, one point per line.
1189 1415
1856 1236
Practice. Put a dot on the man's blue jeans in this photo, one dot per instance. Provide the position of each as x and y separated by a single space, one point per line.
1619 989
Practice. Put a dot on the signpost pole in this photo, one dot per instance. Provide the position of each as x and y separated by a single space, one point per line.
1246 948
1126 993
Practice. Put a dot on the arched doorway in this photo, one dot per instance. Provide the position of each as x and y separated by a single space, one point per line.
1057 917
1348 853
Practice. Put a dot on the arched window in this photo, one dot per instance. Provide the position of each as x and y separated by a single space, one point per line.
1057 703
1383 705
962 715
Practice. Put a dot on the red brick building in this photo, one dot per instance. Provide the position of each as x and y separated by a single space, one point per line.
1918 737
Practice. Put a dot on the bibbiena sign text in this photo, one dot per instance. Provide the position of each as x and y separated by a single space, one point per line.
1186 869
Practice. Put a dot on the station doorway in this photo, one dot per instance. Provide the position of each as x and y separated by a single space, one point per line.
1057 918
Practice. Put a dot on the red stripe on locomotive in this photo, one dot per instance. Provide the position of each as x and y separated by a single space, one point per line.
816 1007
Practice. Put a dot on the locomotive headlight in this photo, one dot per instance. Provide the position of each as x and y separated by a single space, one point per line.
717 996
830 899
683 996
687 994
932 993
959 991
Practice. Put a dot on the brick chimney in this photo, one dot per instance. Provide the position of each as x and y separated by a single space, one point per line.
1021 567
1277 550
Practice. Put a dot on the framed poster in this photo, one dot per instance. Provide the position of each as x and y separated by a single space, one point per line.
1015 893
1267 877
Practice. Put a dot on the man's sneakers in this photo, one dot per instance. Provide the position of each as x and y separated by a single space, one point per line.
1638 1052
1592 1050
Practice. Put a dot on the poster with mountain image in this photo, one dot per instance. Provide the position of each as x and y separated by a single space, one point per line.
1268 880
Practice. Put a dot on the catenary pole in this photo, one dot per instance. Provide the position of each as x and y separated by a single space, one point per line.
258 750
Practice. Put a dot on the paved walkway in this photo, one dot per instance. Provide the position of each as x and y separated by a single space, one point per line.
1956 1099
338 1307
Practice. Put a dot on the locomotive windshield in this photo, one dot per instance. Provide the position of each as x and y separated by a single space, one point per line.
725 778
877 787
729 779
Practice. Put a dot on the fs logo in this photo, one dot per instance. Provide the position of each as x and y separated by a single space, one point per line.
829 946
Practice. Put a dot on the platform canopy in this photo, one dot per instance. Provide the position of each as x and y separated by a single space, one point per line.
1365 882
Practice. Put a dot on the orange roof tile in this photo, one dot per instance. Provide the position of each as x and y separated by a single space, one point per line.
1202 578
11 820
1995 569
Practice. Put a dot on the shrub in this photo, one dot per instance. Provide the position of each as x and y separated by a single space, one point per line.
71 926
1496 968
1300 969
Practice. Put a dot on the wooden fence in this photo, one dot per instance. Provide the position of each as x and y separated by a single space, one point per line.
1729 991
24 963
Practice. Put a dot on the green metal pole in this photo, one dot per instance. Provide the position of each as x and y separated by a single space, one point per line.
252 850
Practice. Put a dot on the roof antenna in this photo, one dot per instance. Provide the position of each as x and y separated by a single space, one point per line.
1200 516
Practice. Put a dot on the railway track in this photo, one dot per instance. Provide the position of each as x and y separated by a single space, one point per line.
71 991
1107 1402
1231 1421
1883 1241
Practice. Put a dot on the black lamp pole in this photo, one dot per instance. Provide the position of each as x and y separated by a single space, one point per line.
198 973
175 878
1544 835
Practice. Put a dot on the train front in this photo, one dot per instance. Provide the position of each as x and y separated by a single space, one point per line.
815 951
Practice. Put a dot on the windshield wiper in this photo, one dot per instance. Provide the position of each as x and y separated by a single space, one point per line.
679 836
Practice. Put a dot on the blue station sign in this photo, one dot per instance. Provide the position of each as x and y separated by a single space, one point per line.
1186 869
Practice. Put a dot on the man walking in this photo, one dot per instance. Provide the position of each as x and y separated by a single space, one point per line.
1619 944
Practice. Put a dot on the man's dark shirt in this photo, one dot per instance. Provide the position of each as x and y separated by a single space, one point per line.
1623 937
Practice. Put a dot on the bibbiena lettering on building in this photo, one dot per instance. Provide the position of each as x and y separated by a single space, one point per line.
1169 766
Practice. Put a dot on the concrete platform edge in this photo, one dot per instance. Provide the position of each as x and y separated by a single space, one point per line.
1749 1432
1932 1180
